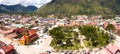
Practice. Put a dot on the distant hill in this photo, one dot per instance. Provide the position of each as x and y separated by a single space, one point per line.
2 11
75 7
16 8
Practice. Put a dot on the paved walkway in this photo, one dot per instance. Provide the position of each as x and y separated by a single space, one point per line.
82 43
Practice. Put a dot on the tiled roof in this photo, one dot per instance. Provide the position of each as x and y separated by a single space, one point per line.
92 23
2 44
0 53
31 32
105 24
23 38
44 53
107 51
32 37
19 30
12 35
6 30
8 48
112 48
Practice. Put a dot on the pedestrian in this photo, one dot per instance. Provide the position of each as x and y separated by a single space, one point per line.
88 52
37 42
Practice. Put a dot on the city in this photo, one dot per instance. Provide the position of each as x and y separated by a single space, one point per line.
59 26
36 35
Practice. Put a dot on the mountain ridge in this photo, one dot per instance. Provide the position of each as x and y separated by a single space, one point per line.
79 7
16 8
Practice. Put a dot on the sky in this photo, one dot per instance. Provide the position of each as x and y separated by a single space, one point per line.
37 3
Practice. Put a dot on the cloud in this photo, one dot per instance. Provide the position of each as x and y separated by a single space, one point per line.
36 3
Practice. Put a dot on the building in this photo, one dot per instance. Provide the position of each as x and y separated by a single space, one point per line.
6 30
28 37
112 49
6 49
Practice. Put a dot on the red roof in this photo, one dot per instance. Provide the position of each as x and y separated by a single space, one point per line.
22 29
2 43
0 53
12 35
108 51
31 32
44 53
5 32
8 48
115 24
23 38
19 30
105 24
111 48
93 23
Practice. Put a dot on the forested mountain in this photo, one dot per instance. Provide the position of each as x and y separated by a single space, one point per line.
16 8
76 7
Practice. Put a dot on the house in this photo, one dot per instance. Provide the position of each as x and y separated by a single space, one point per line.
105 24
61 23
12 35
2 43
32 35
73 23
43 53
51 21
6 49
17 25
80 21
92 23
117 19
24 20
118 31
112 49
115 24
6 30
24 40
20 30
28 37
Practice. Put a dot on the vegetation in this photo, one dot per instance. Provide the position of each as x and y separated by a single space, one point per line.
108 16
87 43
110 27
95 37
64 38
16 8
80 7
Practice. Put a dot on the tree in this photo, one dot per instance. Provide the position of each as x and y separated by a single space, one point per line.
64 38
110 27
95 36
57 33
